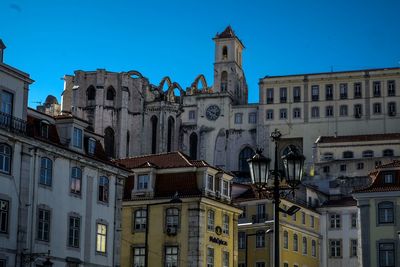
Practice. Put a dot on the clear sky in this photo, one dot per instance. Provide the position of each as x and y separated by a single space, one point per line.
48 39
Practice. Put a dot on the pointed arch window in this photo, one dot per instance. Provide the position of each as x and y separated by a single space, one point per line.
110 93
91 93
244 155
127 143
224 81
193 146
225 52
154 122
171 130
109 142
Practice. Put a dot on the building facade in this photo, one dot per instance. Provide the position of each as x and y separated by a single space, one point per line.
177 212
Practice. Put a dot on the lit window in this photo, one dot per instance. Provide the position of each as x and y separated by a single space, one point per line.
101 238
46 171
143 181
77 138
4 215
140 219
386 255
385 212
225 224
238 118
139 257
260 239
210 257
103 189
91 146
43 231
74 231
210 220
172 219
335 248
76 180
5 158
171 256
335 221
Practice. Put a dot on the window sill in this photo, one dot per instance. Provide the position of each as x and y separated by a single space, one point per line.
104 254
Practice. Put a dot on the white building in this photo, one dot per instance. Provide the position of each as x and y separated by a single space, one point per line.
60 196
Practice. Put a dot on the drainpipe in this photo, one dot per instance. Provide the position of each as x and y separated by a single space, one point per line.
33 201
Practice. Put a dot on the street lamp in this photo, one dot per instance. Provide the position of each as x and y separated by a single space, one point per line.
282 186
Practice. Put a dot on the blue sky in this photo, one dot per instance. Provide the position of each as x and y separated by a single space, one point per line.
48 39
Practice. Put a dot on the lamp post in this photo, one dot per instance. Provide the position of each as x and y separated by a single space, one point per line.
278 186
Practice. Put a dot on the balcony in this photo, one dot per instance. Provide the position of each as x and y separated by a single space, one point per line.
12 124
296 99
270 100
259 218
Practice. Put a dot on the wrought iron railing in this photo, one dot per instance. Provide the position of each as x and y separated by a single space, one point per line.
12 124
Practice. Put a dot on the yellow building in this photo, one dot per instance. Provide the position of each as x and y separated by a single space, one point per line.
177 212
379 213
299 234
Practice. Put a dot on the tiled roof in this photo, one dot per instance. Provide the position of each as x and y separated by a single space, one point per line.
358 138
342 202
185 184
33 130
227 33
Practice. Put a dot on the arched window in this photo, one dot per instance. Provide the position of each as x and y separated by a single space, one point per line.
109 142
385 212
285 239
91 93
172 218
5 158
127 143
225 52
224 81
388 153
103 189
295 243
348 155
110 93
140 220
327 156
76 180
244 155
193 146
154 122
46 171
304 245
368 154
171 131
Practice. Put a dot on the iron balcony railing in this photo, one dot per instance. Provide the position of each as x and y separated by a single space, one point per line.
12 124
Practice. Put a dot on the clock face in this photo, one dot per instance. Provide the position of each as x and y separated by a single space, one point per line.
213 112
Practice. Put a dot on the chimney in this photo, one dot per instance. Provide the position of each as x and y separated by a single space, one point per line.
2 47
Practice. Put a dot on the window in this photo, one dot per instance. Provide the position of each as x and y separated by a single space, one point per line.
295 243
270 114
283 113
103 189
225 224
388 153
327 156
354 220
244 155
139 257
378 163
43 230
353 247
335 248
252 117
261 211
242 265
270 95
348 154
260 264
193 145
238 118
377 89
170 133
304 245
391 88
92 146
74 231
357 90
296 94
377 108
357 111
343 167
285 239
360 165
154 129
171 256
326 169
224 52
6 104
192 115
242 240
285 264
4 215
143 182
283 94
329 111
109 142
343 90
77 138
3 263
210 220
76 180
312 222
110 93
260 239
210 182
314 92
388 178
391 109
303 218
46 171
91 93
225 259
296 113
172 218
386 255
101 238
314 112
368 154
385 212
335 221
328 92
210 257
343 110
313 248
44 129
225 188
5 158
224 81
140 220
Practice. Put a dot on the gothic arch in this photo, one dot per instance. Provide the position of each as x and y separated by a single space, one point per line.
244 154
154 128
91 93
224 81
171 97
164 80
109 142
170 134
193 145
110 93
203 81
135 73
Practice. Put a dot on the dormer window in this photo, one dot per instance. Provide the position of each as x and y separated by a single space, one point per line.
225 188
91 146
143 182
388 178
210 182
44 129
77 138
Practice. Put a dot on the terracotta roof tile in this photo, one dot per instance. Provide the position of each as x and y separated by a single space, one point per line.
358 138
227 33
185 184
33 130
344 201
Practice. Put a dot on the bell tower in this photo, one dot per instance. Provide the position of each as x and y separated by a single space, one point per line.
228 73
